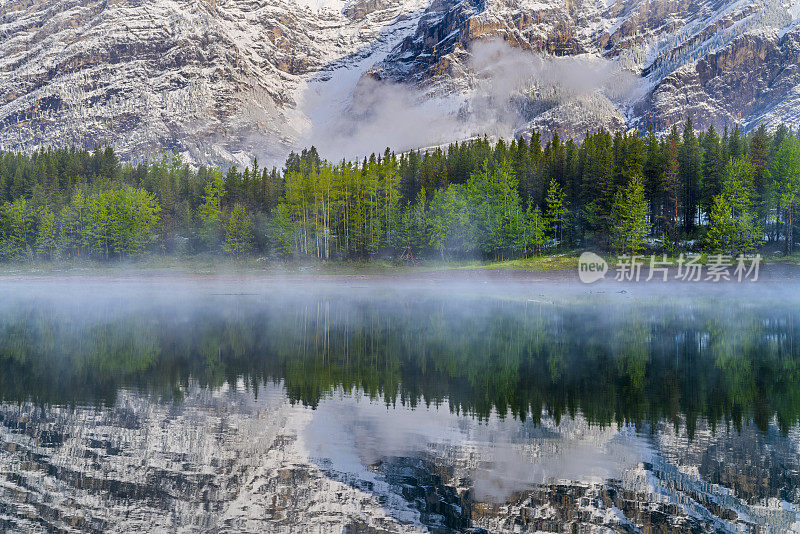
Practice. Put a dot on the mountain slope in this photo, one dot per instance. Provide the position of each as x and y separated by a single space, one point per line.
212 79
219 80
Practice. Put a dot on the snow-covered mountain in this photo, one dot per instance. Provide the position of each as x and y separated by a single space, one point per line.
221 80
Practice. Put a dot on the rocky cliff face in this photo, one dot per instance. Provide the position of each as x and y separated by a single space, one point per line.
753 80
211 78
219 80
716 61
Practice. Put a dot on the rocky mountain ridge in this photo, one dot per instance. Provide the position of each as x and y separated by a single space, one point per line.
221 80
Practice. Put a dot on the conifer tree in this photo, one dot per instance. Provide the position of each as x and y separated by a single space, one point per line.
450 221
711 169
758 155
785 177
17 229
631 226
671 189
536 231
732 227
689 168
556 213
210 211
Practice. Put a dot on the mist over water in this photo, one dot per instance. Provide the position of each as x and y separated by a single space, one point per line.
287 404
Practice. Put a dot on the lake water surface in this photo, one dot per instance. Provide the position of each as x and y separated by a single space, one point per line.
385 406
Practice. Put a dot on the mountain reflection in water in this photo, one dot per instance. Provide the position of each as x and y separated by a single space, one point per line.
393 409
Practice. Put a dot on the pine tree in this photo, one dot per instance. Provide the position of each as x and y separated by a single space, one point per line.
74 233
537 230
712 167
732 227
17 229
671 189
631 226
785 176
759 154
281 230
556 213
450 221
689 174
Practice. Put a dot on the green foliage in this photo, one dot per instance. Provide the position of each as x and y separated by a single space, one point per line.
47 236
75 225
722 228
556 214
496 207
17 228
210 211
732 227
785 185
121 221
238 233
469 198
415 228
451 227
631 226
496 356
282 231
535 235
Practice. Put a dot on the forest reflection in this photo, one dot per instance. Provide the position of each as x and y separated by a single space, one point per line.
626 361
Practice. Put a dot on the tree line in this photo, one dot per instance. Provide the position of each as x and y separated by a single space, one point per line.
729 193
644 363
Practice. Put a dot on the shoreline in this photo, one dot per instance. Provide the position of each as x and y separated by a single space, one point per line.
771 273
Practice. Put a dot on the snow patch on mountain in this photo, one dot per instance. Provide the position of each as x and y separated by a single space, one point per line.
319 5
794 9
221 81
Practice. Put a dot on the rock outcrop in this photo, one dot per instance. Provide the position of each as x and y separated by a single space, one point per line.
221 80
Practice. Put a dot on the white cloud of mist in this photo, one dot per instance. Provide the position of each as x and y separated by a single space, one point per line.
508 88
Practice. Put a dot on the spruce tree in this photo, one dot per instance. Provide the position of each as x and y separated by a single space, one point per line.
689 170
556 213
631 226
210 211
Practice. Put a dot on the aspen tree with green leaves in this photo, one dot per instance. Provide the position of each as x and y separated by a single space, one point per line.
47 236
238 233
722 229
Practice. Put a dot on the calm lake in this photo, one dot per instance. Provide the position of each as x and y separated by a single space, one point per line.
380 405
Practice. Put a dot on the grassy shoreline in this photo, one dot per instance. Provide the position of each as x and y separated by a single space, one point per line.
206 264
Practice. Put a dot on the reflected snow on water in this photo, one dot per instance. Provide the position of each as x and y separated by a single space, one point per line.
395 410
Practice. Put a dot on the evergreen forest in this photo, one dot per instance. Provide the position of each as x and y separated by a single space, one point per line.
717 192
